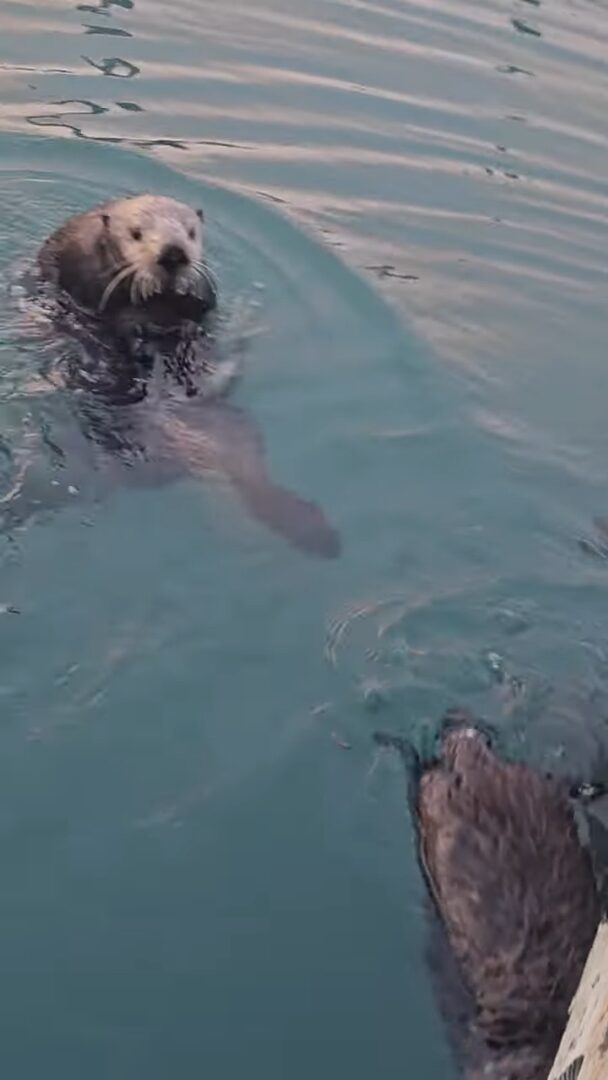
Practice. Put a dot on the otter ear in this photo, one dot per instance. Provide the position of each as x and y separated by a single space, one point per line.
200 215
106 220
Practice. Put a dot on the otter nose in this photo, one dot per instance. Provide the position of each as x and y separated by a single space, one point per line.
172 257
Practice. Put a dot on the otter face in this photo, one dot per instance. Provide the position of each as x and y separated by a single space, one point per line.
157 248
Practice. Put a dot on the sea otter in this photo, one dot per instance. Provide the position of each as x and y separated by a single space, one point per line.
127 289
140 256
514 900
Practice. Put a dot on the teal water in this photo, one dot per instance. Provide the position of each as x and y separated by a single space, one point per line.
205 866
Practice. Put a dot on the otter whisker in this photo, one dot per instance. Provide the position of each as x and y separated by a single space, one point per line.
206 274
147 285
194 281
140 289
134 288
121 266
114 283
202 270
123 272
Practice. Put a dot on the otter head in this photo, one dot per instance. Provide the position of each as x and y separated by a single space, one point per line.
464 740
156 249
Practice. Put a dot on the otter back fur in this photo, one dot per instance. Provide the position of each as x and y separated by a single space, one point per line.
516 899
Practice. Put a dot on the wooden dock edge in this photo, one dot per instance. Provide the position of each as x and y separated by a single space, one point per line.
583 1051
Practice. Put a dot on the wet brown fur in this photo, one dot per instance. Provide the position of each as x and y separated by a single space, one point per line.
516 894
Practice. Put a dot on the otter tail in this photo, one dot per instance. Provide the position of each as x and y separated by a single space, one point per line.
300 522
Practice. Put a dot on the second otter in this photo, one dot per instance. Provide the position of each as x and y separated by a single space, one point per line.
515 901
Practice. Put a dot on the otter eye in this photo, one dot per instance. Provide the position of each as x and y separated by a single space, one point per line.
191 234
136 234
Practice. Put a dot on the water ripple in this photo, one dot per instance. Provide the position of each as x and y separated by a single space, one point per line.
453 153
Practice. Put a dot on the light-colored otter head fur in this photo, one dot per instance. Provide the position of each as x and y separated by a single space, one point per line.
128 251
159 244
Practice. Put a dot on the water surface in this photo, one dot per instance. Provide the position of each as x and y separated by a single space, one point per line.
205 865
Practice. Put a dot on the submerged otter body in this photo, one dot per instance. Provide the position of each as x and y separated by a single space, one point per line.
515 902
126 289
